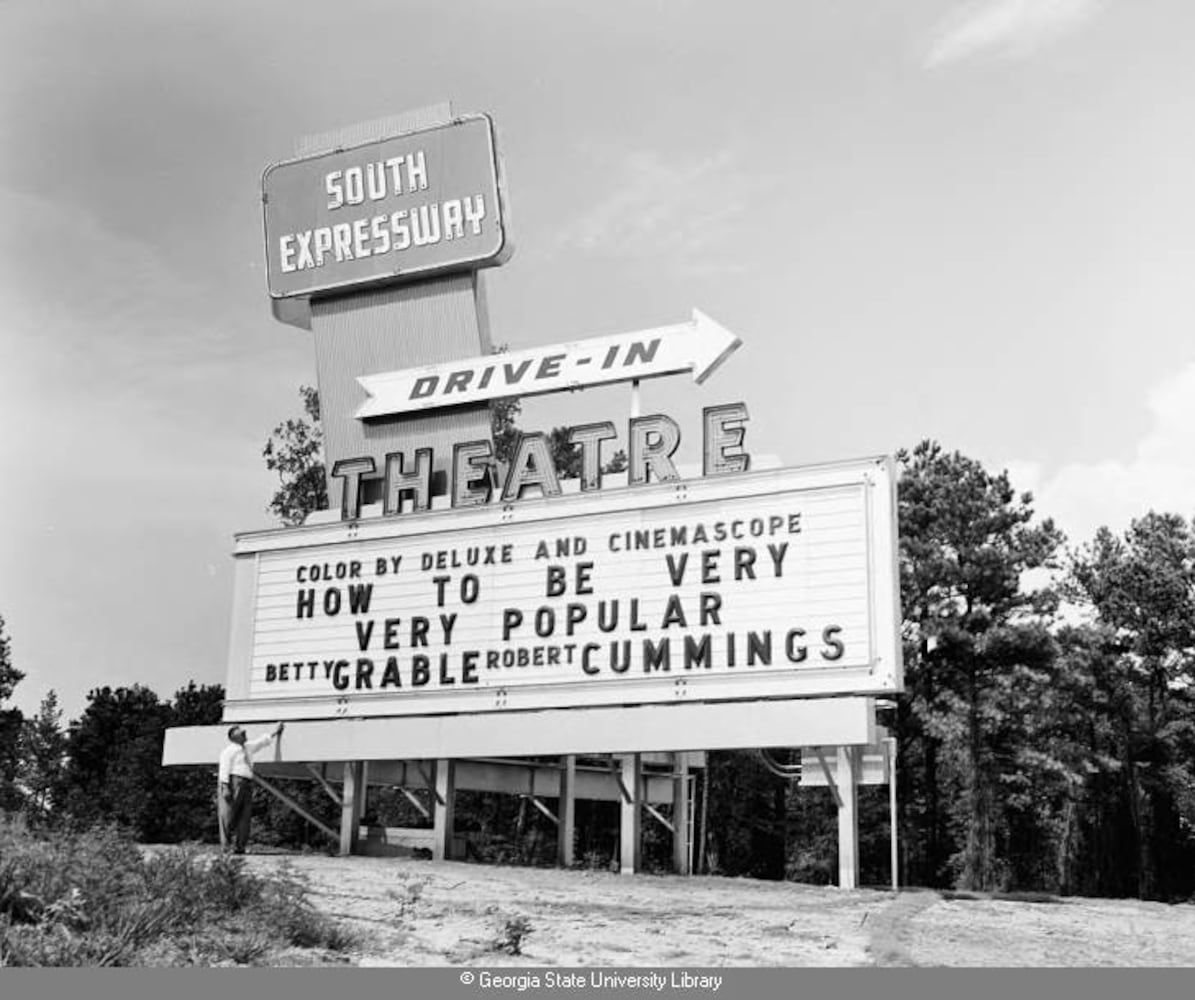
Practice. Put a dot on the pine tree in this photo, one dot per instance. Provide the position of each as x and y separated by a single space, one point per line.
1142 588
43 755
10 676
966 538
11 721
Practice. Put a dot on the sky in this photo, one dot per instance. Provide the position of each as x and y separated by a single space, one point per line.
968 221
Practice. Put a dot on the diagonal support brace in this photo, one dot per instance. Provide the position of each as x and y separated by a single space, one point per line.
431 785
414 800
290 803
323 782
821 759
663 820
616 774
543 808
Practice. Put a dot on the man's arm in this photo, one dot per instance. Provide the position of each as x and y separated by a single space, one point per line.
262 741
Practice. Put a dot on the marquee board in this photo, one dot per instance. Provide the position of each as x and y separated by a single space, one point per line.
777 584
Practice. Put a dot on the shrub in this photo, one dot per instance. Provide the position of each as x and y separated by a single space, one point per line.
229 887
93 899
286 904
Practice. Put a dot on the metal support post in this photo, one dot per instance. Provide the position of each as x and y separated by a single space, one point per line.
567 812
681 808
848 817
444 813
350 809
630 827
893 857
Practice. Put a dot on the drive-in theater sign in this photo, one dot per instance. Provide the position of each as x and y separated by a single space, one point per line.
457 621
773 584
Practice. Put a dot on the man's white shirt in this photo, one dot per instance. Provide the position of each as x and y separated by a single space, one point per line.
236 759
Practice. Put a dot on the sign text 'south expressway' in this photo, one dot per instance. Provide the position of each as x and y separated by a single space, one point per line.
412 205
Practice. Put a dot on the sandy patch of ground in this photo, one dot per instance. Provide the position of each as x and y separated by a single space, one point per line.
451 913
424 913
1074 932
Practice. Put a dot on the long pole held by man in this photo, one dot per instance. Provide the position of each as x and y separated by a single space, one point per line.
234 798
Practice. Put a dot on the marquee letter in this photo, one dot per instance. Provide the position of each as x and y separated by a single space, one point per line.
417 482
531 466
724 430
653 441
472 473
590 438
351 470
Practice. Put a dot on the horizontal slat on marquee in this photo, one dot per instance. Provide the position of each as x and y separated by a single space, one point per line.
638 729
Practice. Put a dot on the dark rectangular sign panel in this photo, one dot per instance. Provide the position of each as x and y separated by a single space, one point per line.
412 205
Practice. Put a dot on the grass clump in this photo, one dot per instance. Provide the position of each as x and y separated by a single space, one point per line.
94 899
408 896
511 934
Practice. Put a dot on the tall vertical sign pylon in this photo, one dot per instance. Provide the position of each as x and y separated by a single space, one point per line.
374 237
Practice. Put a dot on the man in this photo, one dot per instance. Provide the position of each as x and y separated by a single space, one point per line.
235 793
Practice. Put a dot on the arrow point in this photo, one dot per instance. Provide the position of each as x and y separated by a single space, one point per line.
713 344
366 409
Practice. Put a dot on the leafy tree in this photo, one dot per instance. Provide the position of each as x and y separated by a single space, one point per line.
184 797
114 773
43 754
567 457
295 452
11 721
114 760
747 816
972 635
504 428
617 463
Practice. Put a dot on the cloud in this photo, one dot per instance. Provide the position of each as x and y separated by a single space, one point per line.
1005 28
129 455
662 212
1159 476
112 358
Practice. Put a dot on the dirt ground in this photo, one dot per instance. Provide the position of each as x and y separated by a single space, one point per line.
423 913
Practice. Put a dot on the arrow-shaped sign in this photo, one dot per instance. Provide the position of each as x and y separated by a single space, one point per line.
698 346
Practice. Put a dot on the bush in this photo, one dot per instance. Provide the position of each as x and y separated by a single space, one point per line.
93 899
285 902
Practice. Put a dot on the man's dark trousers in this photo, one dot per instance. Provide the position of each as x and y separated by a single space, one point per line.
240 813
